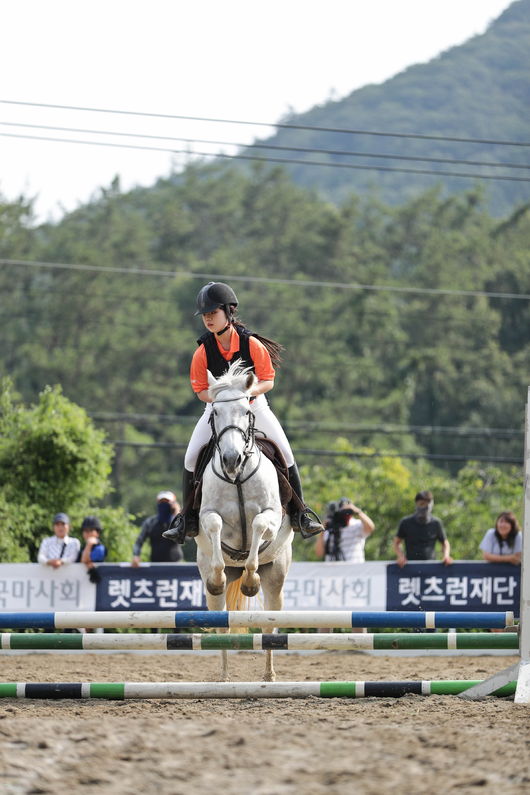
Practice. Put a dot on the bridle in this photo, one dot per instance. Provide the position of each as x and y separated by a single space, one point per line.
249 437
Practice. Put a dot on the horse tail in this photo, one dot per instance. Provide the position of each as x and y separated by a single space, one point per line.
235 600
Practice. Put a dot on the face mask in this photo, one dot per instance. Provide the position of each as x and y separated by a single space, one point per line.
423 513
164 512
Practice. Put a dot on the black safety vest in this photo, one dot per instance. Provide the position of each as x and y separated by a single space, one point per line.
216 363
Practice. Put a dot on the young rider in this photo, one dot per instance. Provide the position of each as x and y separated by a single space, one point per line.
226 340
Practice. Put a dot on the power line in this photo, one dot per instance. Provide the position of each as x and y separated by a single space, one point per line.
384 342
279 160
111 299
350 454
323 427
276 147
145 324
279 125
260 279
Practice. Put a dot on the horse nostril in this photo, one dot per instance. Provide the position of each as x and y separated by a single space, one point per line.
231 461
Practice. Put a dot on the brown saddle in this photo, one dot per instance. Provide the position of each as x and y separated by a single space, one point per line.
289 500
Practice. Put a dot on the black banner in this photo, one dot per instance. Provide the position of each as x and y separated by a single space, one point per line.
433 586
171 586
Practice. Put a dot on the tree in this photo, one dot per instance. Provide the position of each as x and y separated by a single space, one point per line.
52 458
385 487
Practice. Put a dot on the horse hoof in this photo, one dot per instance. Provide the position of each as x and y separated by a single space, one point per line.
250 590
214 589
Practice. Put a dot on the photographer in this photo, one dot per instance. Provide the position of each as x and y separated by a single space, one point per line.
346 529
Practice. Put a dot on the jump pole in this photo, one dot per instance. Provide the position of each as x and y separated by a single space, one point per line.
203 690
520 672
295 641
299 619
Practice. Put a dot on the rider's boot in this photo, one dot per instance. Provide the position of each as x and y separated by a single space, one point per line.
305 521
185 523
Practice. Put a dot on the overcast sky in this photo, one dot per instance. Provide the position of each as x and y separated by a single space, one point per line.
231 59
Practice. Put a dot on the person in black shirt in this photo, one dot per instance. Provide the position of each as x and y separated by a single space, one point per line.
420 532
93 551
162 550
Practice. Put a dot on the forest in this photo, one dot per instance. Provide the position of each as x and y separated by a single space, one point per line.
405 331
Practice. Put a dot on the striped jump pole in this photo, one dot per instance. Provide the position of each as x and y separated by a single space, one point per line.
295 641
301 619
203 690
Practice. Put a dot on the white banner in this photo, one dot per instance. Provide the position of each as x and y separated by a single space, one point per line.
31 587
329 586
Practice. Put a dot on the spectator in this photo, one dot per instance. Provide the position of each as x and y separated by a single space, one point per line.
59 549
94 550
504 542
420 532
162 550
346 529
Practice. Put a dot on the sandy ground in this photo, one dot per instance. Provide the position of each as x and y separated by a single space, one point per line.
410 745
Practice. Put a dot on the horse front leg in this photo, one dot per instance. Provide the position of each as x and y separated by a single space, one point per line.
271 602
215 580
214 602
263 529
273 577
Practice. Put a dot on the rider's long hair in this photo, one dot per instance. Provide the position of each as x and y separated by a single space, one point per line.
512 521
274 348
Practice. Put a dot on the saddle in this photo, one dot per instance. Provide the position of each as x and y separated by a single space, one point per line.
290 502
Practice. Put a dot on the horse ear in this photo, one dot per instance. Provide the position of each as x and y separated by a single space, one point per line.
211 379
250 380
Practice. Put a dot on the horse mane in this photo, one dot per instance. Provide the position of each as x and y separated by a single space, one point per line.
235 373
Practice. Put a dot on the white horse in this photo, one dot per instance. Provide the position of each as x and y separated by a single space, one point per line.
243 534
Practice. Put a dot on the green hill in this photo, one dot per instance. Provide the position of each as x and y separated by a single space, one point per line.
478 90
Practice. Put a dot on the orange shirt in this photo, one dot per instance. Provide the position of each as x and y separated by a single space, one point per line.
258 353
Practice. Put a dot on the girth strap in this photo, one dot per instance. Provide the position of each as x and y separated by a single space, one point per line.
240 554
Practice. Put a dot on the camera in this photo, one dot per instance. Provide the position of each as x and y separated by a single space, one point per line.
341 518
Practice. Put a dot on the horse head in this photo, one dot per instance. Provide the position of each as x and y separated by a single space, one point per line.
231 419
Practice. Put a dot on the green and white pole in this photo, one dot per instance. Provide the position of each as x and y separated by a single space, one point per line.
208 690
295 641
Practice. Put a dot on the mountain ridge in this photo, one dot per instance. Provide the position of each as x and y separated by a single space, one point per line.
478 89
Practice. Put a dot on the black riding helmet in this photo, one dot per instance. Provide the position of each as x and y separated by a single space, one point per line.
91 523
214 295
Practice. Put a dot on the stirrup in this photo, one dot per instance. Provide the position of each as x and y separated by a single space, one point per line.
308 523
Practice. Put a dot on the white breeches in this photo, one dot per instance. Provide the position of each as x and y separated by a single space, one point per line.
265 422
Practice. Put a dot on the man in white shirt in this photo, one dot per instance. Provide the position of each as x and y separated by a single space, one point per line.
346 530
59 549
